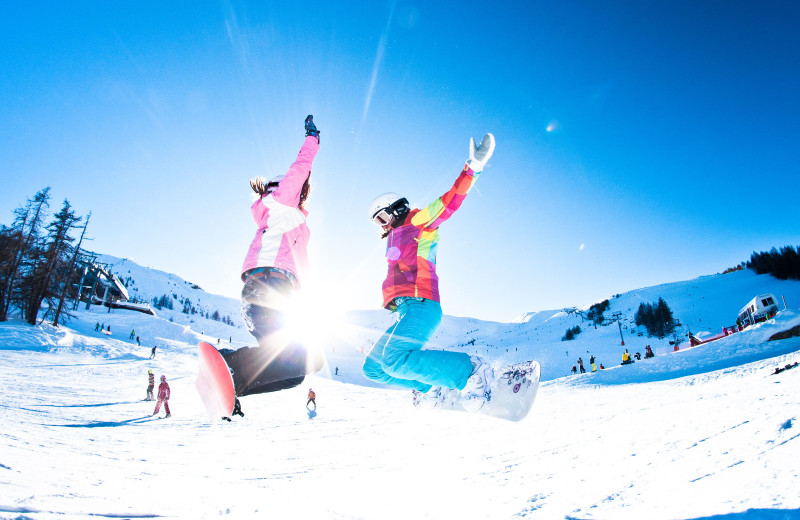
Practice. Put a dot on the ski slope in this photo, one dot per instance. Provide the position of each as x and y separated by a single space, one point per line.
704 432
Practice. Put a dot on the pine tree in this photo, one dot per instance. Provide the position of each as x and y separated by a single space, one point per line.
17 243
657 319
70 272
51 260
571 333
783 264
663 318
10 243
596 311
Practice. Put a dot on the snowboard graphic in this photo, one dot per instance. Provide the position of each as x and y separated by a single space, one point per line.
513 393
214 382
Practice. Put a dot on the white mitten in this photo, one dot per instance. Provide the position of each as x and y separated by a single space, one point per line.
478 157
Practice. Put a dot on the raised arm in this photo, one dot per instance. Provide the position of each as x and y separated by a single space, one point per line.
440 209
288 191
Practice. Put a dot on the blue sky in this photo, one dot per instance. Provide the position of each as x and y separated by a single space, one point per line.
637 142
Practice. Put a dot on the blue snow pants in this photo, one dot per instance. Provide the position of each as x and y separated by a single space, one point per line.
398 357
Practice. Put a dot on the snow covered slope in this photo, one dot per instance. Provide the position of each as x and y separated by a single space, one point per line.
704 432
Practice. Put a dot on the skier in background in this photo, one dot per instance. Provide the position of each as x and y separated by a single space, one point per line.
153 353
273 270
312 398
163 397
411 289
151 382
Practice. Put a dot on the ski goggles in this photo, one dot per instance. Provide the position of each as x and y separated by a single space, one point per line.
385 216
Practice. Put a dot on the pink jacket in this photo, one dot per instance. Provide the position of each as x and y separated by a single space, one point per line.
163 391
282 236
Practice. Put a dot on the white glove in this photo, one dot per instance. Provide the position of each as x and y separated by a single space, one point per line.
478 157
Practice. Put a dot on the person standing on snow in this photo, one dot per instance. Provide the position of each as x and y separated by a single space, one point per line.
151 382
411 289
163 397
273 270
312 398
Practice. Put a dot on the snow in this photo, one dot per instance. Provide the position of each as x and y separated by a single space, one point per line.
702 432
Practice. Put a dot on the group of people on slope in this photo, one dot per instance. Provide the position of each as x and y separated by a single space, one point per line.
276 264
627 359
578 367
107 330
582 369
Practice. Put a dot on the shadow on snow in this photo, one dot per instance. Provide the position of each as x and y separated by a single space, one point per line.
108 424
750 514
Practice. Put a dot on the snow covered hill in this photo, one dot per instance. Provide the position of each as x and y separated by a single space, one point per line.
702 432
145 284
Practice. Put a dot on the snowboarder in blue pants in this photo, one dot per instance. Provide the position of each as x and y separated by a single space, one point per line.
398 357
411 289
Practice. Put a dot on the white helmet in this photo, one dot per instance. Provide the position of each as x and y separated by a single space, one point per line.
386 207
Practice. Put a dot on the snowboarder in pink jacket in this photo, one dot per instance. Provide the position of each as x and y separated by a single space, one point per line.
274 267
163 397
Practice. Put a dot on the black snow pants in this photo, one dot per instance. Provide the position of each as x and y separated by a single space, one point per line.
278 362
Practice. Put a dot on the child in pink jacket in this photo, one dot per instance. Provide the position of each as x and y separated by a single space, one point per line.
163 397
274 267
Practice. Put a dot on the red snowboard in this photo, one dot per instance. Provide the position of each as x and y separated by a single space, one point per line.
214 382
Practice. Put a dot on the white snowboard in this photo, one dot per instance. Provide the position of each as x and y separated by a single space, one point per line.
512 395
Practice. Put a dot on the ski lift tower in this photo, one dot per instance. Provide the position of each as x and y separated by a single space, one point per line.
617 316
